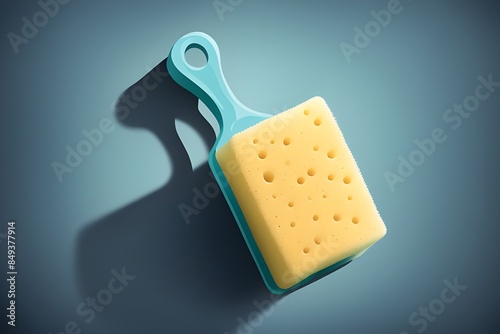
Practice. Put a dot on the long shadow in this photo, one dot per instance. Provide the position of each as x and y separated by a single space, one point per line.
189 278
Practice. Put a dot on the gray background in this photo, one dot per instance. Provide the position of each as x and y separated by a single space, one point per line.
119 207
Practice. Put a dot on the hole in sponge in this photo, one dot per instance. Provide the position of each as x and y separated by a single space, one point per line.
355 220
311 171
331 177
292 224
255 141
306 250
268 176
274 195
300 180
315 218
336 217
290 204
286 141
316 147
331 154
349 198
306 112
347 179
325 195
262 154
317 240
317 121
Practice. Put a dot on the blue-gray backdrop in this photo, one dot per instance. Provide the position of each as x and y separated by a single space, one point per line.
101 245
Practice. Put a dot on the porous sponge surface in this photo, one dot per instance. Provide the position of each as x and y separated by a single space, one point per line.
301 192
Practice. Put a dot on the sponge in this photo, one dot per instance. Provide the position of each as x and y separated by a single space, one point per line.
301 192
290 180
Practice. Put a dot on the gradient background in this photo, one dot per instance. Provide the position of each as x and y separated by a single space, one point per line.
119 207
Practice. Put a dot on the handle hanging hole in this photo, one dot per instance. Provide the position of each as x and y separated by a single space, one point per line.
196 56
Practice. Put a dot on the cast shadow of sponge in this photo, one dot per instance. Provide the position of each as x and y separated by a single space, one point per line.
189 278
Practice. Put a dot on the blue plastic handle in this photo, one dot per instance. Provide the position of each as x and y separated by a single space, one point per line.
210 86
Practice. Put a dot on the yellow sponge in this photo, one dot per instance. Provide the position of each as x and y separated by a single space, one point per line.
301 192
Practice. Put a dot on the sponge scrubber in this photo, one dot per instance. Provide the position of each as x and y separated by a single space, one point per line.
301 192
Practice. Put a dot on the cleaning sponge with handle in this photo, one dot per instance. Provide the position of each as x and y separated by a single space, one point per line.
290 180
